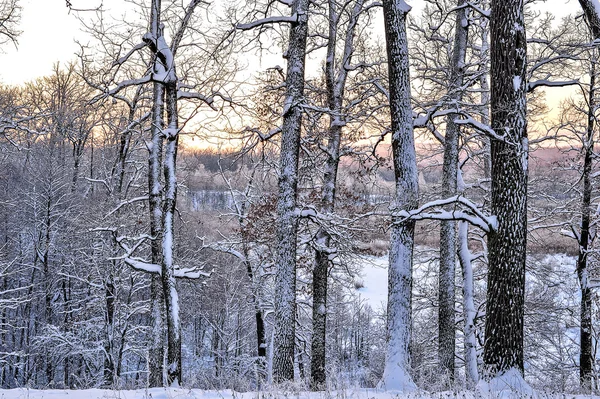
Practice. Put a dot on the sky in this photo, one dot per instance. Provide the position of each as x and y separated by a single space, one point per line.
49 33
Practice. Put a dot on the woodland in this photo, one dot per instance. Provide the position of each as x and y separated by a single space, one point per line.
203 196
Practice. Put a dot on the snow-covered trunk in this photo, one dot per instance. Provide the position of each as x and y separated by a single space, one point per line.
485 100
446 293
591 9
287 220
167 266
507 243
469 311
397 364
156 352
586 329
335 83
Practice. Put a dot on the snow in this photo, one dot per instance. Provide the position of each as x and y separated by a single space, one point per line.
508 385
178 393
516 82
403 6
596 4
375 281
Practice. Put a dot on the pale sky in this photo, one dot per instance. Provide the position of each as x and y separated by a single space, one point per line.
48 36
49 32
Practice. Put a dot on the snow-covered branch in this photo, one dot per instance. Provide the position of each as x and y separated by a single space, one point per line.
471 214
269 20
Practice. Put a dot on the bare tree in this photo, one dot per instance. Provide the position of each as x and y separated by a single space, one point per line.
446 314
397 365
509 149
287 220
10 16
336 74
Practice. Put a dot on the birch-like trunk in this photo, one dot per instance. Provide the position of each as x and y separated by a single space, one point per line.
167 267
469 311
335 81
507 244
446 293
287 221
397 364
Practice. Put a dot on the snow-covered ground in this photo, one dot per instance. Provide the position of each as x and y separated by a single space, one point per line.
375 279
172 393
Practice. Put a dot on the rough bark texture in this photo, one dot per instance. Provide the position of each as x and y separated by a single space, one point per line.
506 277
446 294
396 373
156 353
591 9
287 221
335 76
586 364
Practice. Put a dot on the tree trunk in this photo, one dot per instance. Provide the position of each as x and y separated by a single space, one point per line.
446 294
287 222
586 329
168 275
335 98
507 244
109 363
396 373
592 15
469 311
156 352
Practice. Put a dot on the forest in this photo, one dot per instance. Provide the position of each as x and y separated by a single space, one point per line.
287 196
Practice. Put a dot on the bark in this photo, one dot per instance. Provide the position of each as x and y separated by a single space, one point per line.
335 83
485 101
507 244
469 311
287 222
446 294
167 267
396 373
586 361
109 363
156 352
592 15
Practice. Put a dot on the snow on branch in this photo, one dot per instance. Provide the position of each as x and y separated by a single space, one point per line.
140 264
208 100
122 85
269 20
486 129
531 86
471 214
123 59
127 202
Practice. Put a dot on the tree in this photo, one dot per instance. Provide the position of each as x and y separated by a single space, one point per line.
448 248
397 365
336 74
503 349
10 16
287 220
